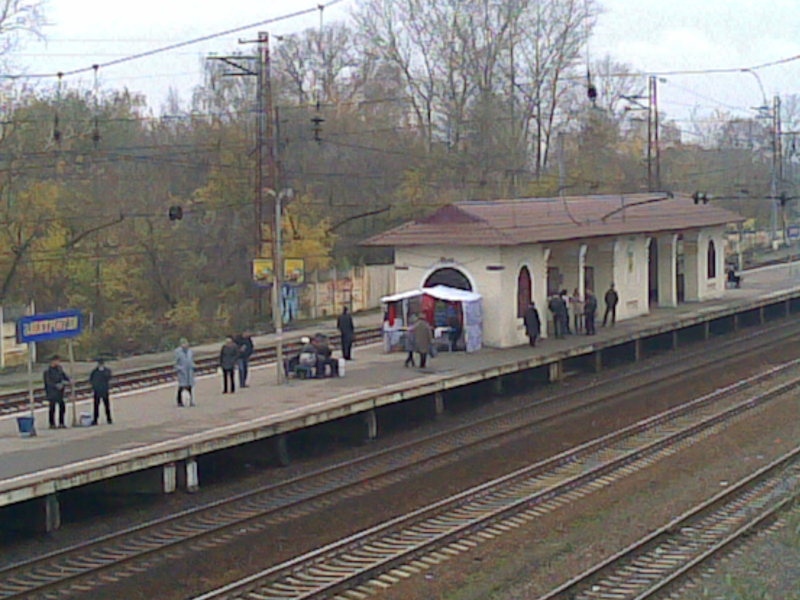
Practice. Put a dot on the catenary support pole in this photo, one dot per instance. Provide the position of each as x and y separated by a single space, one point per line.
74 402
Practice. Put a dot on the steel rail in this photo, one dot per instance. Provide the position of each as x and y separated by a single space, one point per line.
319 487
453 525
17 401
656 564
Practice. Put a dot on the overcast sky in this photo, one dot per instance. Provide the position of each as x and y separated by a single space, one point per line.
651 35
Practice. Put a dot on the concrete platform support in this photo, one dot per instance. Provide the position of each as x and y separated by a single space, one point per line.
668 270
170 478
556 371
438 404
371 420
281 447
675 339
597 359
192 477
637 350
706 330
52 513
761 316
788 307
736 323
497 386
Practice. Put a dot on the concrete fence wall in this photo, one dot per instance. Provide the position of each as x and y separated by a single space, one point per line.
358 288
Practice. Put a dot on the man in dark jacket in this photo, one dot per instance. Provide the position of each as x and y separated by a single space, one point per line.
55 382
611 306
558 307
245 344
324 358
346 327
533 324
590 312
100 379
228 357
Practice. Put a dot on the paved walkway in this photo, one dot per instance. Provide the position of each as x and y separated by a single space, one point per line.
151 416
18 380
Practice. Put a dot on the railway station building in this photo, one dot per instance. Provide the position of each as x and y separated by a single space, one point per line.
656 249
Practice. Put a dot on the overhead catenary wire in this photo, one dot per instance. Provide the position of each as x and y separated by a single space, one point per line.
175 46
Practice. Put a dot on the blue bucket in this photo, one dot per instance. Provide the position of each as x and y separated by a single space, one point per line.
26 426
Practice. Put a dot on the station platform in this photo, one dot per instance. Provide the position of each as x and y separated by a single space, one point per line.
11 381
151 432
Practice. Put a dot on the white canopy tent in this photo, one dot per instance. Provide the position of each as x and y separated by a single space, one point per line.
399 307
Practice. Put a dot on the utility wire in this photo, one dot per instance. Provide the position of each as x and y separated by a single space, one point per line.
162 49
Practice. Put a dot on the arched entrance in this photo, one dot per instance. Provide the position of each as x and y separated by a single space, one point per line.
653 272
450 277
523 291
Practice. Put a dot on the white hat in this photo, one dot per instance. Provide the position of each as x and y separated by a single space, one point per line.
305 340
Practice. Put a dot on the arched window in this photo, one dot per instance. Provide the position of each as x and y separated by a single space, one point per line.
450 277
523 291
712 260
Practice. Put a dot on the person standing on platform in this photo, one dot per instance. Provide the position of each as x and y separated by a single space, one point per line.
100 379
590 312
410 343
228 357
533 324
612 298
423 338
55 383
348 330
560 317
564 295
245 344
184 367
576 308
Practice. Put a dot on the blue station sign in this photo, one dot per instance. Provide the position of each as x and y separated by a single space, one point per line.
49 326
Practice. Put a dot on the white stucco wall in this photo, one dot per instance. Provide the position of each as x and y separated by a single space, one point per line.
494 272
631 276
514 258
414 265
696 244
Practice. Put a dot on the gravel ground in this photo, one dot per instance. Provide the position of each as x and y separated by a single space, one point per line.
205 570
766 568
530 561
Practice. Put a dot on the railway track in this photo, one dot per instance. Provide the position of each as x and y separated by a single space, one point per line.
657 565
371 560
126 553
17 401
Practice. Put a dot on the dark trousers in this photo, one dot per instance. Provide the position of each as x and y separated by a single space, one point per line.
244 363
561 322
410 359
181 389
227 376
62 409
347 346
610 310
423 359
98 398
454 335
532 340
590 328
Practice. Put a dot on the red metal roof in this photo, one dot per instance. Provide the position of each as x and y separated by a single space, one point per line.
515 222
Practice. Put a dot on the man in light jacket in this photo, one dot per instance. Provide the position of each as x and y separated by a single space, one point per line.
423 337
184 368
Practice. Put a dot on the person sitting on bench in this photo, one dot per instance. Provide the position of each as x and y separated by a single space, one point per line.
324 358
733 277
307 357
